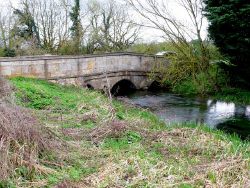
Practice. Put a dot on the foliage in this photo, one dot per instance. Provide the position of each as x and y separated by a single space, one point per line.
185 74
26 26
69 48
7 52
75 17
236 95
203 83
151 48
76 28
1 52
230 30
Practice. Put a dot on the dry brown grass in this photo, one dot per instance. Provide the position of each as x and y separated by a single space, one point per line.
110 129
5 89
188 156
23 140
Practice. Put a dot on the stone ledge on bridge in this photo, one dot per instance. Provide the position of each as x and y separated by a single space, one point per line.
83 70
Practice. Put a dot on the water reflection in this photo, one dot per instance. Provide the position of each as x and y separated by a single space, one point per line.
177 109
218 111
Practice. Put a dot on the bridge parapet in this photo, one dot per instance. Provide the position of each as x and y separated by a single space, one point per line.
79 70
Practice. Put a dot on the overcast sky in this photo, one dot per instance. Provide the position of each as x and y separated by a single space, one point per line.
147 34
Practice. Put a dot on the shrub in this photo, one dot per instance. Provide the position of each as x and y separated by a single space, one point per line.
1 52
70 48
203 83
8 52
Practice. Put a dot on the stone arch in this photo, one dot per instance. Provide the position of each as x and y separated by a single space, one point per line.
89 86
123 87
154 86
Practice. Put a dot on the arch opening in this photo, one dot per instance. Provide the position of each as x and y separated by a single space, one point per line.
123 88
89 86
157 86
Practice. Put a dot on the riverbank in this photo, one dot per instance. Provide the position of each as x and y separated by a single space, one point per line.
235 95
108 144
224 92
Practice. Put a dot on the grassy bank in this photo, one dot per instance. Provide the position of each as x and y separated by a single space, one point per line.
227 94
235 95
106 143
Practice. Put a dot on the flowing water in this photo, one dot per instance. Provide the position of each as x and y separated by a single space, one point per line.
172 108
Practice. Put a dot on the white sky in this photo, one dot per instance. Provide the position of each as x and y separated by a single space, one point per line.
147 34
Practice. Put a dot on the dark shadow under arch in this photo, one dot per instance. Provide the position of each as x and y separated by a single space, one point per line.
89 86
155 86
122 88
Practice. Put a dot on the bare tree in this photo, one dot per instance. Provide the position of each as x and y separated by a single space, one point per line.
106 26
195 8
3 32
7 22
183 35
51 17
47 18
111 28
158 16
63 23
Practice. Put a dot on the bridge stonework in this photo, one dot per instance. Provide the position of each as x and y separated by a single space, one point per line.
97 71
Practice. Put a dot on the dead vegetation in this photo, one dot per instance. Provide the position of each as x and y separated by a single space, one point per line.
185 156
111 129
162 158
5 89
23 140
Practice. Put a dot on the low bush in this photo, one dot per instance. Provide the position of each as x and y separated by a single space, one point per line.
70 48
8 52
210 82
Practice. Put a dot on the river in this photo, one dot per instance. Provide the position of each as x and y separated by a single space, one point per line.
176 109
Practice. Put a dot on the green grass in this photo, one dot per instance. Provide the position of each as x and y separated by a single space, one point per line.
204 85
235 95
40 95
143 152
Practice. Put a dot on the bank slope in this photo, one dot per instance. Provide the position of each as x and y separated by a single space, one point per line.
110 144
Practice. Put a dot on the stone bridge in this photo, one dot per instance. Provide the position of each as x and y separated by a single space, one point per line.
114 71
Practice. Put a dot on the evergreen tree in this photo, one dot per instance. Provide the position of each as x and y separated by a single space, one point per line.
229 28
76 27
26 26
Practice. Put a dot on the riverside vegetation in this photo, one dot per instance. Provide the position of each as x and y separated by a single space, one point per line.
184 75
72 137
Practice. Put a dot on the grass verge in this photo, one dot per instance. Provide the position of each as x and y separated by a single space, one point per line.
110 144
